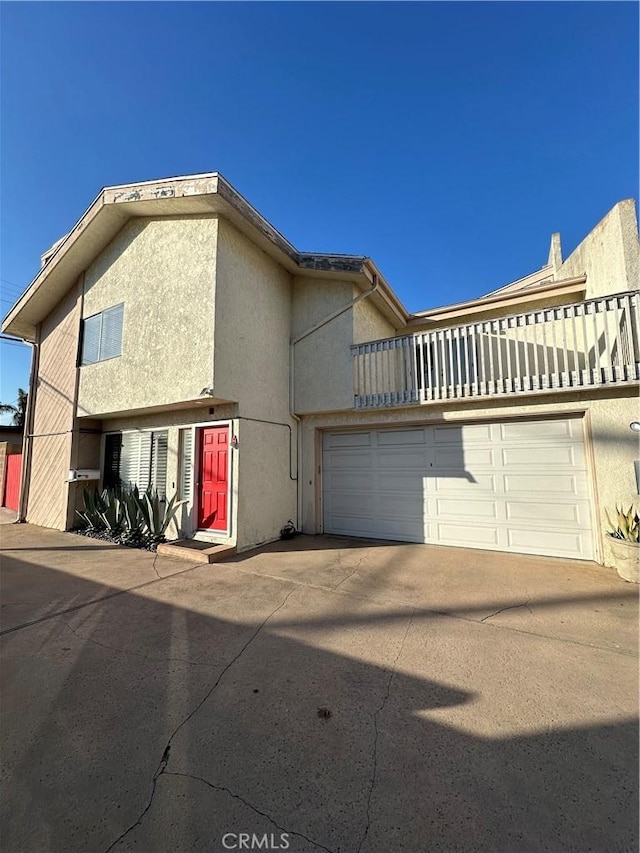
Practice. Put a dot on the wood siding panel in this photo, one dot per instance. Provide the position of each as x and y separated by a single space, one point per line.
49 491
54 415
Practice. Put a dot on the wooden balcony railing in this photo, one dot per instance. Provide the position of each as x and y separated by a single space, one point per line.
585 345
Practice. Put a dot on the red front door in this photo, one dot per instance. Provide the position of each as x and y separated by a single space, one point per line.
213 492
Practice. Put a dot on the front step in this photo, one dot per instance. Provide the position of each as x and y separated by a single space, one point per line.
197 552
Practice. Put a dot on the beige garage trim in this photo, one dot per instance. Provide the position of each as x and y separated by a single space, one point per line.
517 485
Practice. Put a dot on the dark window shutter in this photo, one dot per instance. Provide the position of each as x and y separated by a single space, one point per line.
112 449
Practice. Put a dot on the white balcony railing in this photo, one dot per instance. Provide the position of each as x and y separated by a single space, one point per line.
585 345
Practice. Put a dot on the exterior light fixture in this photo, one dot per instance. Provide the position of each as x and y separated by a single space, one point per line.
635 426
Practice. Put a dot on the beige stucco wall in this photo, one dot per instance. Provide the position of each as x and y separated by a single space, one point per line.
323 365
253 322
266 493
164 272
253 316
615 446
368 322
53 415
609 254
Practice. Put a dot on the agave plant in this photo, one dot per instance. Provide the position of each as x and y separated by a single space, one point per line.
626 524
127 515
156 514
92 515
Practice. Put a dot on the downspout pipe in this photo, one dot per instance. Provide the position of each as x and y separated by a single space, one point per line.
361 296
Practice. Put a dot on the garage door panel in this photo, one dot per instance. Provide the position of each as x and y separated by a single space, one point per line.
555 543
398 438
461 459
550 514
470 537
363 459
361 482
551 484
402 507
485 510
462 434
568 455
520 486
402 457
533 430
407 531
401 482
352 503
347 439
456 483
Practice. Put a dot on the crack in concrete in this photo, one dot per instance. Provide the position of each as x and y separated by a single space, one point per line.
235 796
153 565
349 576
376 715
160 770
132 653
508 607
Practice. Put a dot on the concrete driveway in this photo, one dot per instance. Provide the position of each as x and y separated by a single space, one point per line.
317 694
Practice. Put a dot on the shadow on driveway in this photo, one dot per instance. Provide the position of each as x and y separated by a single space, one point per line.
163 717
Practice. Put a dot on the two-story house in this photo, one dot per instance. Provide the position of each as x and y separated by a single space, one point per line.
181 341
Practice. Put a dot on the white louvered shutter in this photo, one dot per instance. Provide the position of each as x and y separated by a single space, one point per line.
159 463
135 459
186 463
91 339
144 462
111 335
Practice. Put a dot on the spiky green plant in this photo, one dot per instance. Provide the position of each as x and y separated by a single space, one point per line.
157 514
127 515
626 524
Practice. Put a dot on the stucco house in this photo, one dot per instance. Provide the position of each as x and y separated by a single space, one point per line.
180 340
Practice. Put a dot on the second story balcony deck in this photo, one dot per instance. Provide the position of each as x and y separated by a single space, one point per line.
587 344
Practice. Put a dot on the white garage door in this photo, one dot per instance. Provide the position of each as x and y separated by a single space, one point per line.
518 486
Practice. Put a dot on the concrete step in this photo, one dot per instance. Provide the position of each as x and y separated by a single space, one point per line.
197 552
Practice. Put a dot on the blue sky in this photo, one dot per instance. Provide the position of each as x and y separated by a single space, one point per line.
445 140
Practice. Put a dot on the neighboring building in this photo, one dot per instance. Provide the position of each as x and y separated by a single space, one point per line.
10 460
181 341
11 435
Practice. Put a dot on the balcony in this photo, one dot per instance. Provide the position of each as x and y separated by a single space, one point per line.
589 344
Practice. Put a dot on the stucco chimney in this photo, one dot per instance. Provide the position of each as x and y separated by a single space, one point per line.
555 253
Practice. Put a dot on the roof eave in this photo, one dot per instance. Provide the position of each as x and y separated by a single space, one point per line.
114 206
564 287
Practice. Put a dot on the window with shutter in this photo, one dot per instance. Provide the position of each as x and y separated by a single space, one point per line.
112 447
91 339
130 459
102 335
186 464
137 459
159 463
111 333
144 460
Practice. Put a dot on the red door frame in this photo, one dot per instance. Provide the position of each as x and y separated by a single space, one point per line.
213 478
